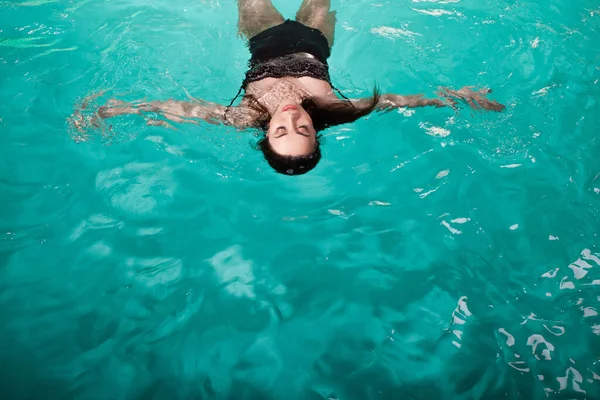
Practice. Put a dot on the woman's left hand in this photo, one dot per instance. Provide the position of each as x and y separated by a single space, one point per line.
476 98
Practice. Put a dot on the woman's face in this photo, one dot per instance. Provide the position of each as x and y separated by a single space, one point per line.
291 131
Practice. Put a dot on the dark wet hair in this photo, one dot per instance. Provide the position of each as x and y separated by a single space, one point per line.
289 165
341 112
323 116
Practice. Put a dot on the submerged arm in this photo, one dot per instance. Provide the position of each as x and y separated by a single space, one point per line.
172 110
393 101
476 99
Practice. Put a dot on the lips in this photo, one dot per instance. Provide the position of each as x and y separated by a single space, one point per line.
289 108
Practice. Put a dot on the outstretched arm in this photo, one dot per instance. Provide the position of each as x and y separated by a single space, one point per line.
393 101
476 99
173 110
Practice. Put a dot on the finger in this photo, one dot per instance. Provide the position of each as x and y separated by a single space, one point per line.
491 105
96 121
114 102
453 93
498 107
140 101
85 102
77 121
472 103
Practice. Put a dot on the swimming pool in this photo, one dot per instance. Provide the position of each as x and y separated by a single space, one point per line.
431 255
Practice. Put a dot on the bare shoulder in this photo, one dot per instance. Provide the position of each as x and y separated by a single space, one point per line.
317 87
241 117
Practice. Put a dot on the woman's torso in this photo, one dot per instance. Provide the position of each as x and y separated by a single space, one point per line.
269 90
280 87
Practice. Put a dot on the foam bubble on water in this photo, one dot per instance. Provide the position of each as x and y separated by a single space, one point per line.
442 174
460 220
407 112
551 274
514 227
348 27
556 330
379 203
535 341
510 339
452 230
389 32
339 213
434 13
519 366
589 312
579 268
564 284
576 379
423 195
461 312
510 166
535 43
433 130
149 231
543 91
587 254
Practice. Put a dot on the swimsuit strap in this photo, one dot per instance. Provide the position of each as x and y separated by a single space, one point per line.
233 100
340 93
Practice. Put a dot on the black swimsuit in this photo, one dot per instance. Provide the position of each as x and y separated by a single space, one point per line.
276 54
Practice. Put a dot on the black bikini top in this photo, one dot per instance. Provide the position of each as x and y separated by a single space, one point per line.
293 65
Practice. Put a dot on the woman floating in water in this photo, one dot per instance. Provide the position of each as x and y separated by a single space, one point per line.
287 91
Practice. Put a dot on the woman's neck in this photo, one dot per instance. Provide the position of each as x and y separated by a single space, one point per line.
282 91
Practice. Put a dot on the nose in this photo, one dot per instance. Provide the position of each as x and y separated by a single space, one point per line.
293 118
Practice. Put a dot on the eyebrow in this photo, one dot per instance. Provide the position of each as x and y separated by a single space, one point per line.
299 133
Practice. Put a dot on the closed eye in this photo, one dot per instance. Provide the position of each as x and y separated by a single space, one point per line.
304 130
279 132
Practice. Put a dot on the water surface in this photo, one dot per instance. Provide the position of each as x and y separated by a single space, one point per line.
431 254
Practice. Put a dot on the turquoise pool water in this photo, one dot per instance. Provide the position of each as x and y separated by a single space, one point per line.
431 255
